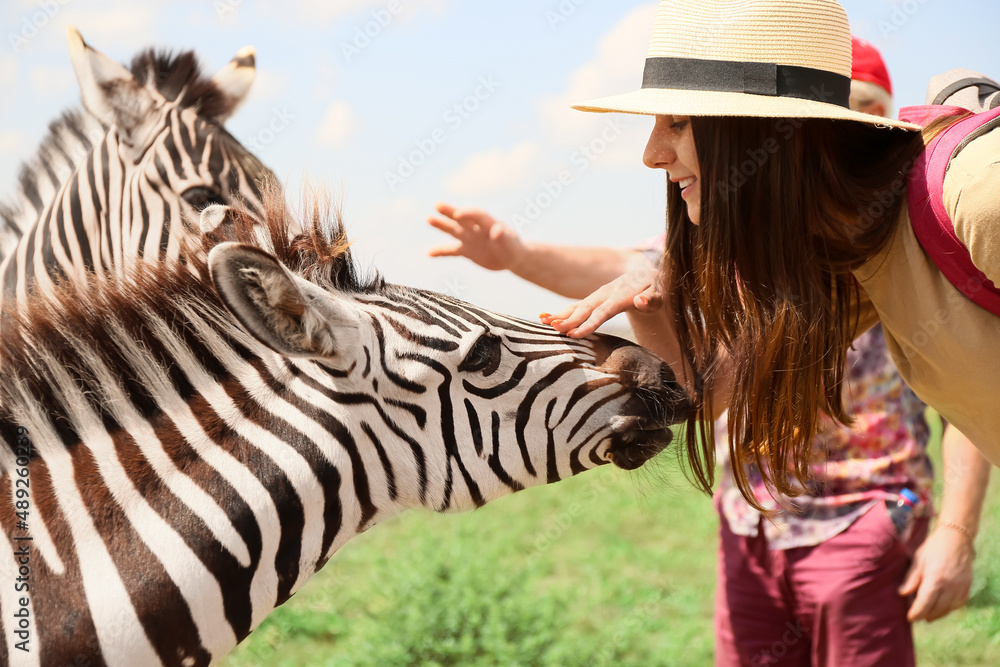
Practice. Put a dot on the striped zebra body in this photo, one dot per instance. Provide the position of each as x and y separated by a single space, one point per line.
203 442
127 178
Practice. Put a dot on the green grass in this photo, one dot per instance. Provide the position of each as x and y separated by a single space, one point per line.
609 568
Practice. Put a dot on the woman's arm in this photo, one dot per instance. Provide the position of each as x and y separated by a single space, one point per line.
570 271
608 281
941 574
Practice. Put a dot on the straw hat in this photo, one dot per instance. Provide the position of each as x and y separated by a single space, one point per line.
765 58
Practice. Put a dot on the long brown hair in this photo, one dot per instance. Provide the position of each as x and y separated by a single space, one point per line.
788 208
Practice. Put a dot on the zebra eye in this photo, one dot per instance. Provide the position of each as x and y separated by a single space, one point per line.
200 197
484 356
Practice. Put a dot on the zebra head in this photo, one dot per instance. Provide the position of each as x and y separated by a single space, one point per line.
200 442
167 121
479 404
127 177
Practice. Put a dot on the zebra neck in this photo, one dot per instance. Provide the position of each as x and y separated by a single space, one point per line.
66 148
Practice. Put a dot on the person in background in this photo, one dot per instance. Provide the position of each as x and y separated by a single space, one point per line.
826 578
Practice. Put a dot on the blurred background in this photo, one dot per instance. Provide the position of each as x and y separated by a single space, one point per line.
396 104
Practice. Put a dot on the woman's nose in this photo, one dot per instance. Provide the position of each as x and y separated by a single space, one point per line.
659 152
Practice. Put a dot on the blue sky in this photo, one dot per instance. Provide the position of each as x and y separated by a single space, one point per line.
473 95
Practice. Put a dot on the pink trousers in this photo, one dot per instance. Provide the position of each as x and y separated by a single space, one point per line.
833 604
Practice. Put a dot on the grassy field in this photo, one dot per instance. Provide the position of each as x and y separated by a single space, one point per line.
609 568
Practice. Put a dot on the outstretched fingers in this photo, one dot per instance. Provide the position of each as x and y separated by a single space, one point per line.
637 290
446 226
445 251
587 317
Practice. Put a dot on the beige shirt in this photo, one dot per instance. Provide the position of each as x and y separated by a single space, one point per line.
946 347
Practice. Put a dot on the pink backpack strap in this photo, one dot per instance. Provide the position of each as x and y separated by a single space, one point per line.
933 228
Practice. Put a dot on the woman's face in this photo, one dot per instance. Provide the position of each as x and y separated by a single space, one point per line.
671 147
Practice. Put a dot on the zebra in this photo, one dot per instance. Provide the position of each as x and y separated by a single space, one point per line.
183 449
126 177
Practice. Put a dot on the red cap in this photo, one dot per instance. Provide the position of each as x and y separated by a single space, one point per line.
867 64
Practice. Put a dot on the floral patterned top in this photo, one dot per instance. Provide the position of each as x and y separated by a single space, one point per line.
853 468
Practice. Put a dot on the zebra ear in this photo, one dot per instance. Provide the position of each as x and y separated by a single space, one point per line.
276 307
217 224
234 80
110 92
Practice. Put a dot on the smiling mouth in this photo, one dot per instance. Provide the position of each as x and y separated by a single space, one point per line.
687 182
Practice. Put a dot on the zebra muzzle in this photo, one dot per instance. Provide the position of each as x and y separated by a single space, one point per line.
636 440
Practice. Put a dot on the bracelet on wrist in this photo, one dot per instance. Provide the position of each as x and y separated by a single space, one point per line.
947 523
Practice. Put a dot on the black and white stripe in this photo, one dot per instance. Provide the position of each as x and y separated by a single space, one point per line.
125 178
205 441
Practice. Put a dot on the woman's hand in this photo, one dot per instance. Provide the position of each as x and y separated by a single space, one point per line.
940 576
486 241
639 289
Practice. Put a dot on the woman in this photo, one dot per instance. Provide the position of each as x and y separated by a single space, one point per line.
788 235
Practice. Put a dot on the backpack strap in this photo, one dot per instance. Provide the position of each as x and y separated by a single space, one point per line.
925 192
965 88
983 85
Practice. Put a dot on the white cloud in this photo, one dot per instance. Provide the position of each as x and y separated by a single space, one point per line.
495 171
338 124
121 26
391 236
327 75
8 80
323 13
268 85
51 80
617 68
118 28
11 142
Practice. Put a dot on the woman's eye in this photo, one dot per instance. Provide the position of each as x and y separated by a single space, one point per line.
484 356
679 126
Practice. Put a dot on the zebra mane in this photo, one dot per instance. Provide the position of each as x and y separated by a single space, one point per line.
178 77
93 330
70 138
